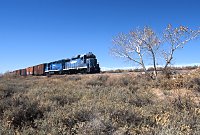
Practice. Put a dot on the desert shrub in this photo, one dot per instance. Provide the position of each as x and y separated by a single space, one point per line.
5 104
1 111
122 81
165 84
124 117
19 112
141 100
99 104
73 78
75 118
83 115
182 122
64 99
125 81
176 116
183 103
8 75
108 129
177 82
115 71
24 115
132 122
167 73
7 90
193 83
69 122
191 67
98 81
97 127
144 81
133 88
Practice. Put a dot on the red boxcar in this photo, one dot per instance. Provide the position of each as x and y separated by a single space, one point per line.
39 69
29 71
42 69
18 72
23 72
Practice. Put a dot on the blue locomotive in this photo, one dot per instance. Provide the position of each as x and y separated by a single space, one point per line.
86 63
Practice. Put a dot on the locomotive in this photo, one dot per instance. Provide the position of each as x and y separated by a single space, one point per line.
86 63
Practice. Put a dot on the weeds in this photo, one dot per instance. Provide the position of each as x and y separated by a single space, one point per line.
99 104
24 116
97 81
63 100
194 84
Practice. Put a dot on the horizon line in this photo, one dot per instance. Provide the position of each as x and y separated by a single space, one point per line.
150 66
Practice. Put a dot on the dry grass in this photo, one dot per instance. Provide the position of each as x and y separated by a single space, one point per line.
100 104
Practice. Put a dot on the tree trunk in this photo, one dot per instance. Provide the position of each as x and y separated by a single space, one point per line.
154 64
142 63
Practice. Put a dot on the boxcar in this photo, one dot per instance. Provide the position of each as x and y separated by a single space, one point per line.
18 72
23 72
29 71
39 69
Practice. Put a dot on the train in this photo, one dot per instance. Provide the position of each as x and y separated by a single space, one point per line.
86 63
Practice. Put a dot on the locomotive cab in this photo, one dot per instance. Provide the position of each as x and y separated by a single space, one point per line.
91 62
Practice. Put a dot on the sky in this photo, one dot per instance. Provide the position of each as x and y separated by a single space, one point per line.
40 31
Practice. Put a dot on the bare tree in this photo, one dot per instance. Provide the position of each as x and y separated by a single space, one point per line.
141 44
176 38
136 46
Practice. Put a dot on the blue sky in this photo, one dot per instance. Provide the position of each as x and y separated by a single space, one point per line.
39 31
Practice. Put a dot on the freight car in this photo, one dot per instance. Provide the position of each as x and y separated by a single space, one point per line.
86 63
29 71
